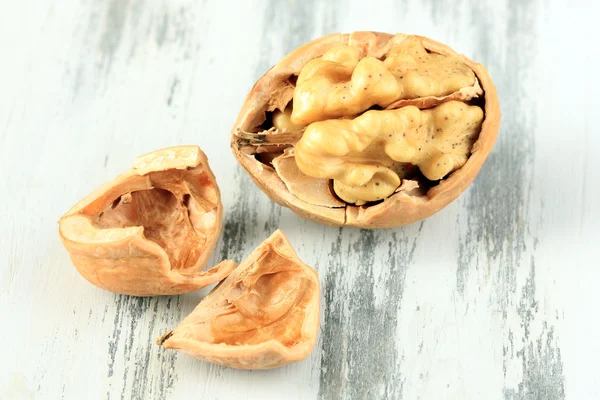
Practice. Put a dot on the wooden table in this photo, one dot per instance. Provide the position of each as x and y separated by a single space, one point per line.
495 297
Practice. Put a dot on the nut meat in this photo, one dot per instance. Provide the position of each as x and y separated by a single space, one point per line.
264 315
368 129
151 230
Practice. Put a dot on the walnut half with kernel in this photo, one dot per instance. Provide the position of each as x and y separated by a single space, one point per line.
368 129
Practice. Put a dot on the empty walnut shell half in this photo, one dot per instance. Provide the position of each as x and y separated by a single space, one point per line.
264 315
368 129
151 230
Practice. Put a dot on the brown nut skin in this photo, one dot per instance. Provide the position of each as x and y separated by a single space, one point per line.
400 208
172 192
264 315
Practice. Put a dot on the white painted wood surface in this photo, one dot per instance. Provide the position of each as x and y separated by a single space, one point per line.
495 297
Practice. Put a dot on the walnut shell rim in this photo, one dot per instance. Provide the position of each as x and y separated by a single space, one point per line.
400 208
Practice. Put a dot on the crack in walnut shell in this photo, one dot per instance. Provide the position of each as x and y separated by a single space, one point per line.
328 83
151 230
264 315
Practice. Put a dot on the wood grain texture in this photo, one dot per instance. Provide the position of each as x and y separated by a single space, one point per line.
492 298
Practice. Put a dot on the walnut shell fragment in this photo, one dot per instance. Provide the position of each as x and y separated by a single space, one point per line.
384 130
150 230
264 315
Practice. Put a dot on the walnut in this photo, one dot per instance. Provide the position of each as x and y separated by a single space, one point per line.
264 315
368 129
151 230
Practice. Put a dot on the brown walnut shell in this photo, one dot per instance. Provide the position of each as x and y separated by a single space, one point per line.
151 230
264 315
254 144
